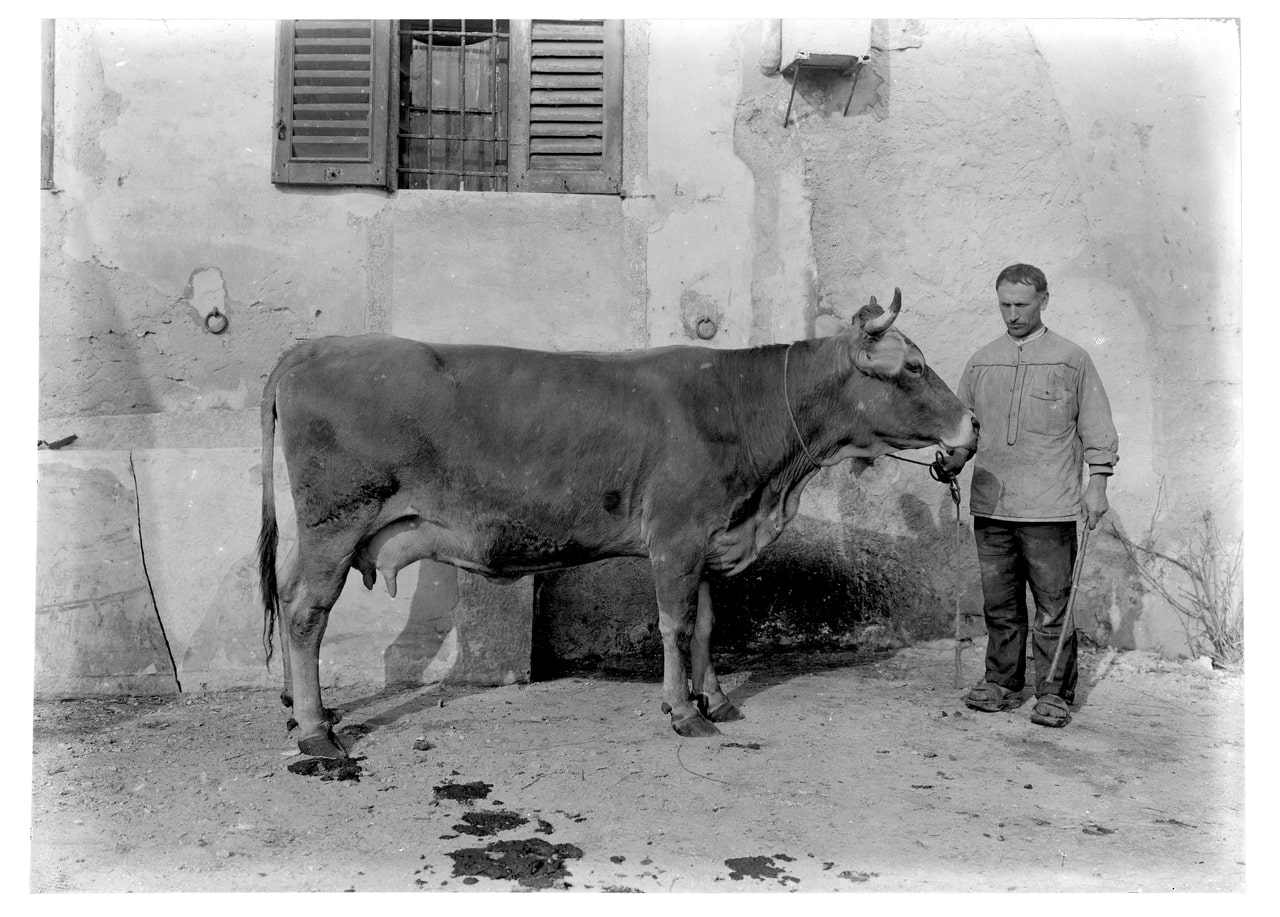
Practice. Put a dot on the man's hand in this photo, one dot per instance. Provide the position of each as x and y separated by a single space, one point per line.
1095 500
946 468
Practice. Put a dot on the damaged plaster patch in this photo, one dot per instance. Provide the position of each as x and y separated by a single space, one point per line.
208 292
95 107
700 315
897 34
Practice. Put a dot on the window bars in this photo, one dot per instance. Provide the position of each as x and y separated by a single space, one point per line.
452 125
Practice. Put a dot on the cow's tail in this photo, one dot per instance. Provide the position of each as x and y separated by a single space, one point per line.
269 534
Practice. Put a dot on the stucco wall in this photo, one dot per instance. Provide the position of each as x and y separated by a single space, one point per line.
1108 157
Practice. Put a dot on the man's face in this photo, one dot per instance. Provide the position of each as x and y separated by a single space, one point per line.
1020 307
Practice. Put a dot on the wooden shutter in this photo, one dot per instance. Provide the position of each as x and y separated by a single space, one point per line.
332 81
566 105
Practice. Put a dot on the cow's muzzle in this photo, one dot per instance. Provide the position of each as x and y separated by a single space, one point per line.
965 436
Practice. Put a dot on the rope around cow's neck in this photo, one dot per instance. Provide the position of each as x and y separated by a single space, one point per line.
786 398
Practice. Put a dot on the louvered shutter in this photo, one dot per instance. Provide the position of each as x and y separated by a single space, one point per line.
566 106
331 102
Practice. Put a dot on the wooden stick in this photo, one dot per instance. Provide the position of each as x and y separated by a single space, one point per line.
1068 623
955 493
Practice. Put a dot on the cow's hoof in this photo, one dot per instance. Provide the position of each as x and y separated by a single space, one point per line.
286 698
725 713
324 745
694 727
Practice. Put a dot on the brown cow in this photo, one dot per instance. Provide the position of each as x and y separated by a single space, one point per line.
507 462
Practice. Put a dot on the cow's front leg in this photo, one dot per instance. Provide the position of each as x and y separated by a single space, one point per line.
677 588
712 702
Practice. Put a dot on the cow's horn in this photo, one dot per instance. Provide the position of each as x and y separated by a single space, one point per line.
880 324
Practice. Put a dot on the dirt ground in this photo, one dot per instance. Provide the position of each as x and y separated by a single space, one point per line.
847 774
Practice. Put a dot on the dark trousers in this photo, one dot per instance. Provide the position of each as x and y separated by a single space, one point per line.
1011 556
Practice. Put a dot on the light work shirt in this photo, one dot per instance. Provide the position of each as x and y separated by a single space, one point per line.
1042 414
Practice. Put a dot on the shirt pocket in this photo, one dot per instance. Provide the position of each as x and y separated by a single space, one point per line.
1049 410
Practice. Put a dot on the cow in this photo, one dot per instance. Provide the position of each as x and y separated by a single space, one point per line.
507 462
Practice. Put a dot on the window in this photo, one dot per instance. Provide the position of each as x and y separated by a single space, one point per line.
453 78
450 104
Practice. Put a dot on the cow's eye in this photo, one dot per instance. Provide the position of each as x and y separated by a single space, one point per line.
914 367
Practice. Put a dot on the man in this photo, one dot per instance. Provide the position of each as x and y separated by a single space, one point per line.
1042 415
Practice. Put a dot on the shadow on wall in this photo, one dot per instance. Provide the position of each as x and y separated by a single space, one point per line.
1110 607
820 586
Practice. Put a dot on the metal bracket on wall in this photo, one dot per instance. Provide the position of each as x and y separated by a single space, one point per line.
844 64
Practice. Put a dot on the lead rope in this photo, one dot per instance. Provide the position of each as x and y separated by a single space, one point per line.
955 498
960 639
786 398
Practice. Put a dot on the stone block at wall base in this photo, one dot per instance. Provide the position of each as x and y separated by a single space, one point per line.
121 602
97 628
493 631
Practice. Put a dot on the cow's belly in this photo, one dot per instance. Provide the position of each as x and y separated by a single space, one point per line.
501 548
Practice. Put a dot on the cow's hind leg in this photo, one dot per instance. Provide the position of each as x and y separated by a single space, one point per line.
677 594
712 702
305 620
288 590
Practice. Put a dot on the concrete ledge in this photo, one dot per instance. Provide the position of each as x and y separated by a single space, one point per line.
97 630
176 429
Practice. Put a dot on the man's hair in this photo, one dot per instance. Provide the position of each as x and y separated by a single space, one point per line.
1024 273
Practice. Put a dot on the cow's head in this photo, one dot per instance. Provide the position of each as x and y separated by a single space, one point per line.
895 399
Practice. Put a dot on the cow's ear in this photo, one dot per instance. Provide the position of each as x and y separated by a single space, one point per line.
882 357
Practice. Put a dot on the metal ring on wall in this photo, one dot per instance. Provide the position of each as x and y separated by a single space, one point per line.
215 322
